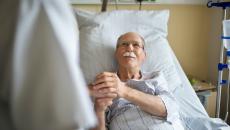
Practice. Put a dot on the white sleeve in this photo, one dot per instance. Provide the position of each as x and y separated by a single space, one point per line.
161 90
49 92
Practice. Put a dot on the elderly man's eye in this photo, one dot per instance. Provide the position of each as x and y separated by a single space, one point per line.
136 45
124 43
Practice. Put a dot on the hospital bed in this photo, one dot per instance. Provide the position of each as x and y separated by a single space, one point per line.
98 34
50 99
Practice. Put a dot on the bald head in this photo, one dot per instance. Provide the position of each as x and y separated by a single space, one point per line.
130 36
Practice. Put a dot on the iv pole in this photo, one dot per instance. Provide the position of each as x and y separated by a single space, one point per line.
221 64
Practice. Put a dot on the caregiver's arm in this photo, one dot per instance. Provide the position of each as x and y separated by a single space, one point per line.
103 98
100 106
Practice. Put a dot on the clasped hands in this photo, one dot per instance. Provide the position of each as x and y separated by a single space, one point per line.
105 88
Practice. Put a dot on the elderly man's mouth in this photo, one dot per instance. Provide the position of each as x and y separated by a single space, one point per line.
129 55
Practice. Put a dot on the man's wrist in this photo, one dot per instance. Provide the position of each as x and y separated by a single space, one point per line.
99 112
126 90
101 120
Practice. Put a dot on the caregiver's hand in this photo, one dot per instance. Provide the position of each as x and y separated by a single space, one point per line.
102 103
105 92
110 83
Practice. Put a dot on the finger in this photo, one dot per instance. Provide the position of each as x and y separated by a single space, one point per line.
108 90
105 101
90 89
103 85
108 103
107 95
102 104
105 74
102 94
103 79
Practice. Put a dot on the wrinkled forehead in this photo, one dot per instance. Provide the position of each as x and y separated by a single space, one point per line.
131 37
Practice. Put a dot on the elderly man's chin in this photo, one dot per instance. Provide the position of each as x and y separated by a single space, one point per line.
131 64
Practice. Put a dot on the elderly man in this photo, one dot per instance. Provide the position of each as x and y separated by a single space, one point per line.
130 98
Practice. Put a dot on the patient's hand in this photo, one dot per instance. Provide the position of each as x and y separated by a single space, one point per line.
109 83
100 106
102 103
104 92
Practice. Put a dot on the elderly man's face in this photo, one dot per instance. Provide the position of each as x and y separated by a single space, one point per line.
130 52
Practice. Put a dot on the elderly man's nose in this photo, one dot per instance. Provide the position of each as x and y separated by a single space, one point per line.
130 47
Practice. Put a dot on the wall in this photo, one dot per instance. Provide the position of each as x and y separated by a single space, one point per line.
189 27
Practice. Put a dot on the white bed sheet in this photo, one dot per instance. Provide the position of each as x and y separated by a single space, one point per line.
192 112
186 96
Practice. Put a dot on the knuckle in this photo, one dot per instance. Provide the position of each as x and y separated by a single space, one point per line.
114 95
105 90
106 83
114 75
101 104
107 94
104 78
113 89
97 101
110 89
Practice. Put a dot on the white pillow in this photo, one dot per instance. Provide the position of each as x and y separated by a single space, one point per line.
99 33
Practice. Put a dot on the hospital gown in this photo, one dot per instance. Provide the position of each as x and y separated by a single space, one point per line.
124 115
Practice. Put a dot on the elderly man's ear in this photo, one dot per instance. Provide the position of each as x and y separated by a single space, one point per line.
145 55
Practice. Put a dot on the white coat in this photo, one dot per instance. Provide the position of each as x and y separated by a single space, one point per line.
41 84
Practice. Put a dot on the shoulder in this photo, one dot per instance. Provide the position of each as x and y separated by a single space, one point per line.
152 75
156 79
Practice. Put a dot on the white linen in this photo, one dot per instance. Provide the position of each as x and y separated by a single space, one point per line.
48 91
186 96
99 33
